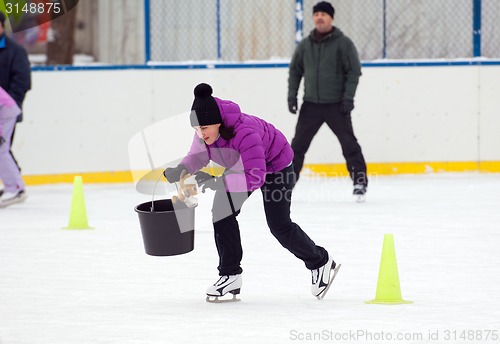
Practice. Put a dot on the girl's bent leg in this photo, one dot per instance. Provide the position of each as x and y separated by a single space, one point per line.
277 194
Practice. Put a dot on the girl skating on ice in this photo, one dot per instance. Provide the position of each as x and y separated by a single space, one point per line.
256 156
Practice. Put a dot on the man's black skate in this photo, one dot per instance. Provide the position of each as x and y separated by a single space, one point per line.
359 193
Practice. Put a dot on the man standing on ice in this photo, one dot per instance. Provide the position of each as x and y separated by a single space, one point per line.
329 63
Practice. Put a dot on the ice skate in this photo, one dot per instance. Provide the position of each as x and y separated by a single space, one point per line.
10 198
225 284
359 193
322 278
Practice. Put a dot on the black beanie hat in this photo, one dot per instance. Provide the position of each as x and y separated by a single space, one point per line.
324 6
2 18
205 110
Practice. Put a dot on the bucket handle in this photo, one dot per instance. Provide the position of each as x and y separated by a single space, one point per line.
152 209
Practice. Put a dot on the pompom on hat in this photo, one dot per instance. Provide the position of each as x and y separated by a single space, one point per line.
204 110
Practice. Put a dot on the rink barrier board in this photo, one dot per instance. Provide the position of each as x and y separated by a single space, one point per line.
462 144
324 170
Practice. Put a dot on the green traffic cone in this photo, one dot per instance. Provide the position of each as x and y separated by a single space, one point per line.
78 213
388 288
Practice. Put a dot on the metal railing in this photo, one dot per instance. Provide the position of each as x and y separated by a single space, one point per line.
236 30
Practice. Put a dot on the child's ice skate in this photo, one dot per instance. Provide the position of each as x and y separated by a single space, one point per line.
10 198
322 278
225 284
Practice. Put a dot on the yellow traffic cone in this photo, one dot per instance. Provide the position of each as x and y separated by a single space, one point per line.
78 213
388 288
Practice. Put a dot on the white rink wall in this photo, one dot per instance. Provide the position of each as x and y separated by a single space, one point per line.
81 121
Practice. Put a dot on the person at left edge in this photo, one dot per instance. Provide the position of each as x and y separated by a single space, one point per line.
9 172
15 74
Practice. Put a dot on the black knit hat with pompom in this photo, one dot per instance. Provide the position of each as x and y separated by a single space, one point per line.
205 110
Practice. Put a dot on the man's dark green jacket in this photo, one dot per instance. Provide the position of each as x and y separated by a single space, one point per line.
330 67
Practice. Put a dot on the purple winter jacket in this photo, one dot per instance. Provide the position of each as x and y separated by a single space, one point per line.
258 148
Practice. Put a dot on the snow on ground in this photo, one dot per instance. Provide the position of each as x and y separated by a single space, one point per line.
98 286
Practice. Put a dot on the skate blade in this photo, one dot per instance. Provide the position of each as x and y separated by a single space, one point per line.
217 299
11 201
360 198
335 271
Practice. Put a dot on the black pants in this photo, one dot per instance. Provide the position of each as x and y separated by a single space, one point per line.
311 118
276 194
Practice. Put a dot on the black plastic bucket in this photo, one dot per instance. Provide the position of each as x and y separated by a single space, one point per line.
165 231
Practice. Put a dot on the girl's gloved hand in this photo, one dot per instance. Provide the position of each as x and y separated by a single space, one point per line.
206 180
173 174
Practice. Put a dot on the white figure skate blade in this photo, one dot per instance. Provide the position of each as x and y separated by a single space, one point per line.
217 299
14 200
335 271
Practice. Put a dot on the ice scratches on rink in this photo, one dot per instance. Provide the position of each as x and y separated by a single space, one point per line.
63 287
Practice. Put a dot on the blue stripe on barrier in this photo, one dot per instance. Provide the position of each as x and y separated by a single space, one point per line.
264 65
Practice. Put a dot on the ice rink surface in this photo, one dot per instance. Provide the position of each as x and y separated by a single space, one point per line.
98 286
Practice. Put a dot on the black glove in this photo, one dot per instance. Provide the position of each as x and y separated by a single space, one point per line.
347 106
173 174
206 180
292 105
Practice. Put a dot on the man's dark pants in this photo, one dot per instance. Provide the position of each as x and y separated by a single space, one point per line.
311 118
